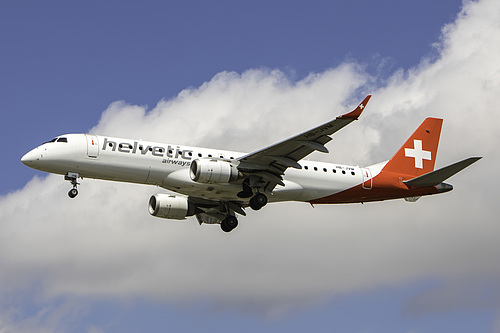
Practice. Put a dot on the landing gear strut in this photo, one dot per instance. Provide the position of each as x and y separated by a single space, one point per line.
73 178
229 223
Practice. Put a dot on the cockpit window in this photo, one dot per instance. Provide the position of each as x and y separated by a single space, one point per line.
62 139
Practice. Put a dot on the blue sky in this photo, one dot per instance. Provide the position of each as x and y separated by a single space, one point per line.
110 269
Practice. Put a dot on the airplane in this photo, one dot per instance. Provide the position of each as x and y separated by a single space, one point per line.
214 185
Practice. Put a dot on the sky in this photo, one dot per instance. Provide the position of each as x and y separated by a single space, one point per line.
240 76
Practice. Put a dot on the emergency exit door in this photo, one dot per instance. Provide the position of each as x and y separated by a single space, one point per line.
367 178
92 146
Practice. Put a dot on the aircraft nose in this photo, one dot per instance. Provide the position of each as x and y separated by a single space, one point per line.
30 157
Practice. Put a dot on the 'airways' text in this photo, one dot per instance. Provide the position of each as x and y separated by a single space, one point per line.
177 162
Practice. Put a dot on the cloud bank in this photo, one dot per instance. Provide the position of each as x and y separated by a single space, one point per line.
104 244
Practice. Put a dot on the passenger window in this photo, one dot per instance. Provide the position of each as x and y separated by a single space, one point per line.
324 169
343 172
352 173
315 169
199 155
306 167
334 171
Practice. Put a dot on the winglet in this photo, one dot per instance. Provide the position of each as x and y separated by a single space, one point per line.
356 112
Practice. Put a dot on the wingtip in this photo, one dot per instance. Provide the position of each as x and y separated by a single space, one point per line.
356 112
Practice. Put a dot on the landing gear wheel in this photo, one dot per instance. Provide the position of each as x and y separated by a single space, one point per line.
73 193
258 201
254 205
232 222
229 223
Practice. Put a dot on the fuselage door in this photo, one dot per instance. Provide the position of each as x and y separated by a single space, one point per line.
367 178
92 146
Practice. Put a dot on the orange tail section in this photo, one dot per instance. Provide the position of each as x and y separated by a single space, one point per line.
418 155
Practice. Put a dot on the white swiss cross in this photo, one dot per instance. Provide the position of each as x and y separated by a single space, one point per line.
418 153
361 106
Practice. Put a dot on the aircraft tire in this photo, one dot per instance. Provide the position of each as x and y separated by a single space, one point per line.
224 227
254 205
232 222
229 223
73 193
260 199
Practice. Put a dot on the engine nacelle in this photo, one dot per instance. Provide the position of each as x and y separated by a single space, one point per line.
170 207
213 171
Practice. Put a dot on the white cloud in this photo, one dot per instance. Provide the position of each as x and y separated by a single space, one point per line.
105 245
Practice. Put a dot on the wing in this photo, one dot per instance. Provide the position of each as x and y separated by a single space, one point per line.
269 164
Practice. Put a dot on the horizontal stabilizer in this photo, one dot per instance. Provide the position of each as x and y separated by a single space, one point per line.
436 177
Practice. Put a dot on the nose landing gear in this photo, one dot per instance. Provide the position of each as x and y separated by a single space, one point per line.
73 178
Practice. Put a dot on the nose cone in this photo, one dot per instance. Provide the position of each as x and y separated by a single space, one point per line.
31 157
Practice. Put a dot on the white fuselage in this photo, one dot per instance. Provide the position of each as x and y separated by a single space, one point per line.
168 166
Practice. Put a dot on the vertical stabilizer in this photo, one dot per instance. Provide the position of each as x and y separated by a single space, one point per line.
418 154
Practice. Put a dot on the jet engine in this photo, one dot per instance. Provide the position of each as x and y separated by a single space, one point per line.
213 171
170 206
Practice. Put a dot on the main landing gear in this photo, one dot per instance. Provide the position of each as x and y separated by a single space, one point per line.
73 178
249 186
229 223
258 201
